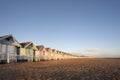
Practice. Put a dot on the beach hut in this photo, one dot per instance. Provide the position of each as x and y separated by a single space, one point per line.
61 55
69 55
58 55
30 51
49 52
65 56
37 55
22 55
42 52
8 49
54 52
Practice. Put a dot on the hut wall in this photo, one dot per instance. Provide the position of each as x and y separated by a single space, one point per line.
22 56
43 56
37 55
8 52
29 53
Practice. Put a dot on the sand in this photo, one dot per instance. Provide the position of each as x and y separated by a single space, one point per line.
71 69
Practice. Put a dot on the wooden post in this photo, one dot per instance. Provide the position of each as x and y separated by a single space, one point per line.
8 57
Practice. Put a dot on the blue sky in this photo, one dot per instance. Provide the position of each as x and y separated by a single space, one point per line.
83 27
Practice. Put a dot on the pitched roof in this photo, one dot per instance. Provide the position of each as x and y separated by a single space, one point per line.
58 51
53 50
48 49
41 47
15 42
25 44
5 36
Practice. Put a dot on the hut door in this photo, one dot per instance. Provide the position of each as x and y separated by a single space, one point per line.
12 52
34 55
28 54
31 54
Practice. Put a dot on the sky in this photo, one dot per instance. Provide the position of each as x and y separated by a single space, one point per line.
80 27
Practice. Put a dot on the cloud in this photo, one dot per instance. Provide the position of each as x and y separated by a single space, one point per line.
112 54
95 52
92 50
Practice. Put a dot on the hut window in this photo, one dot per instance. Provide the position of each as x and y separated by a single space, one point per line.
8 39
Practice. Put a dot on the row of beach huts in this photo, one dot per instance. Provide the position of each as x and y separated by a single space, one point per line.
13 51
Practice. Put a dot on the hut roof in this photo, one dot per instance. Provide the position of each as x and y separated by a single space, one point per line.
41 47
10 36
53 50
48 49
26 44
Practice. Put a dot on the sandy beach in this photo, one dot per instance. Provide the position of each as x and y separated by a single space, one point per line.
71 69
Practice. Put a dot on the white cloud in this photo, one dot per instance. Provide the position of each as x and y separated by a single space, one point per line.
92 50
99 53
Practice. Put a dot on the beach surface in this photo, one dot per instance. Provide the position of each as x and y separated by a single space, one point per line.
69 69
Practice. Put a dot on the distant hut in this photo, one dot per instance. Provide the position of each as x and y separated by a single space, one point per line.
58 55
37 55
30 51
68 55
8 49
54 52
49 52
61 55
65 55
22 55
42 52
